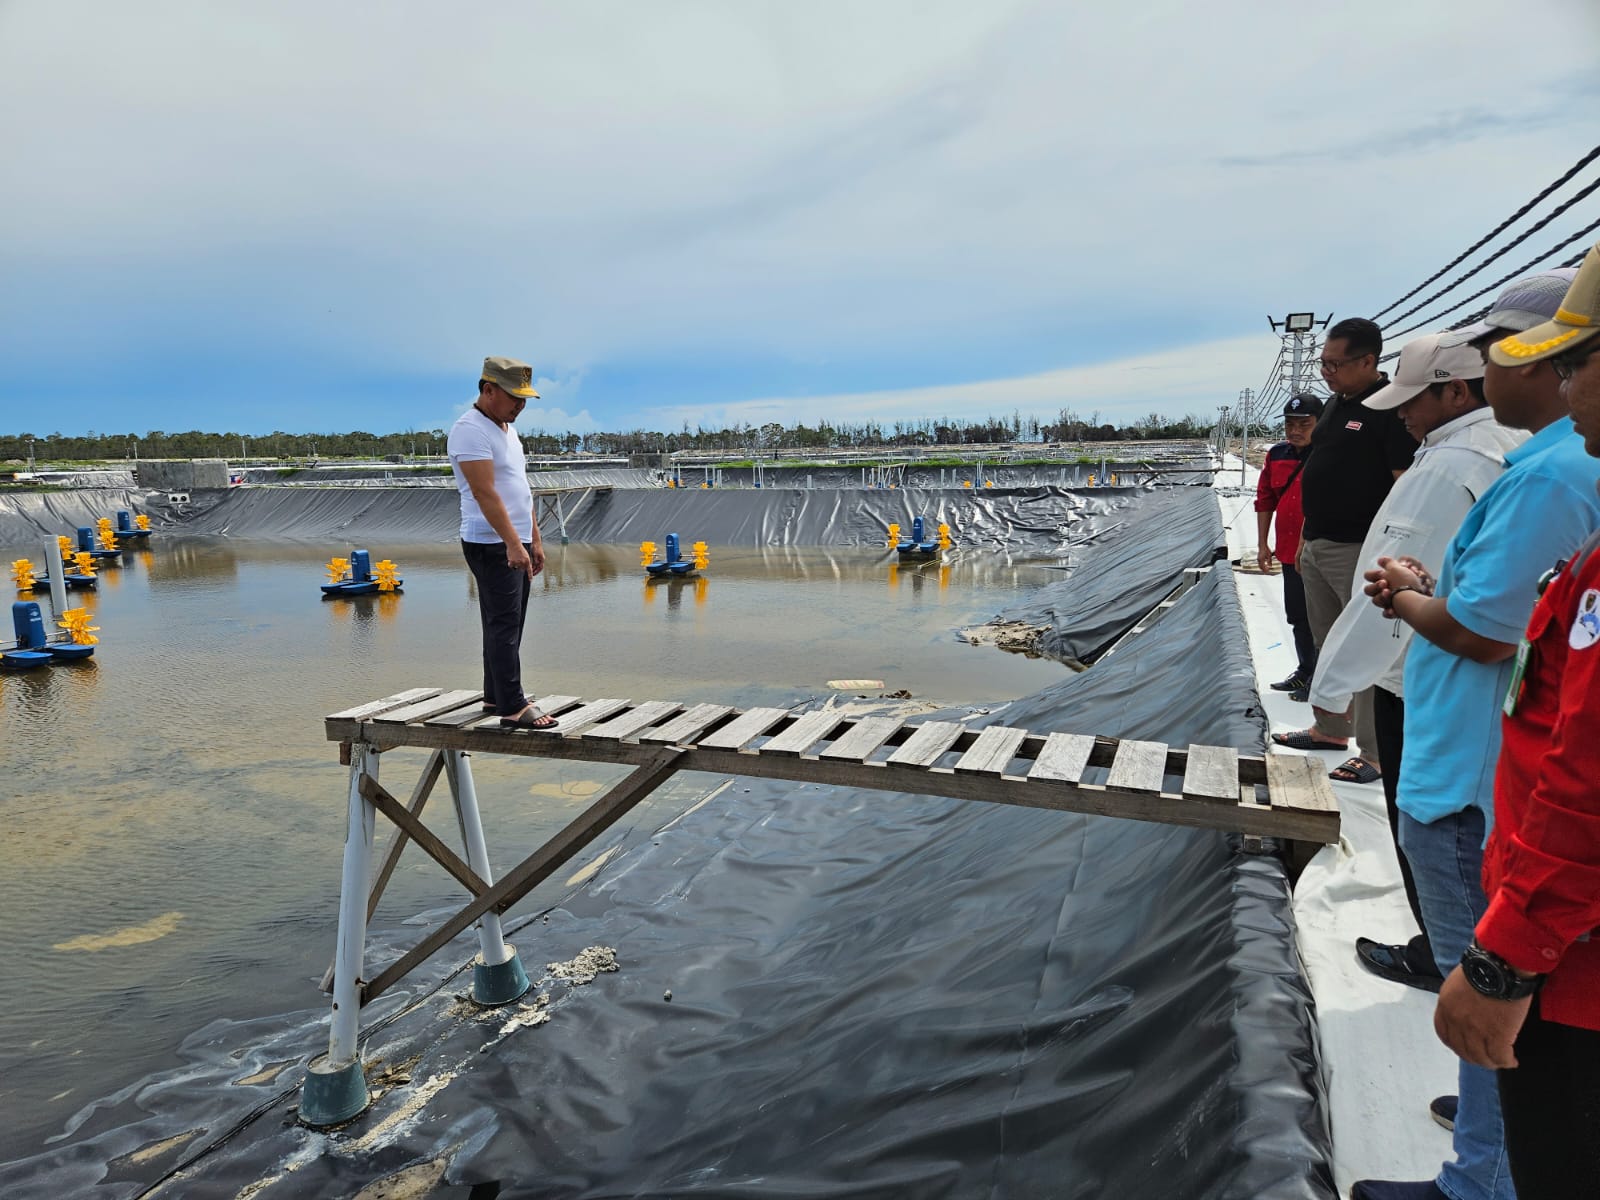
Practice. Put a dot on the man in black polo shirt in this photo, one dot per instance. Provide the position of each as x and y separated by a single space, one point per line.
1356 455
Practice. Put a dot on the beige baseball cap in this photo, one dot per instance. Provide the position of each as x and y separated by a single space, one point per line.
1576 321
1425 361
516 377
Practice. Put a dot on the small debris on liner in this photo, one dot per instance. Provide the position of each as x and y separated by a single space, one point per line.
667 995
585 966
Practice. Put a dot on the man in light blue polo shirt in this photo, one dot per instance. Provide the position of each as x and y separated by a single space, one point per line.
1457 669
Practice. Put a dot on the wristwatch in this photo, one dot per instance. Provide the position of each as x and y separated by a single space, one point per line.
1492 976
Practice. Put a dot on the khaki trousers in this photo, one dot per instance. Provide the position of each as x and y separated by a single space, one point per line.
1328 571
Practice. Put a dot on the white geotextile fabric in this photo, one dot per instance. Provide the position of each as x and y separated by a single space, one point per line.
1382 1060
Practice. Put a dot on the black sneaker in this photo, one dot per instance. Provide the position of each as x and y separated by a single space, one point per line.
1301 695
1443 1112
1295 683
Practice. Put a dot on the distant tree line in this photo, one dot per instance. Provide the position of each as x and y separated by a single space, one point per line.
1068 426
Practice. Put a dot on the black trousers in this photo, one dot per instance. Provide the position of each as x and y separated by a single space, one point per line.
1389 718
1294 608
1551 1105
503 609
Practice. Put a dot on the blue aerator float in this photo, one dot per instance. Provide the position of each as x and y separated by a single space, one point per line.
130 526
106 552
357 576
918 545
33 645
674 564
27 580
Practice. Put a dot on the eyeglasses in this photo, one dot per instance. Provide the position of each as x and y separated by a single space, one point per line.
1568 365
1333 364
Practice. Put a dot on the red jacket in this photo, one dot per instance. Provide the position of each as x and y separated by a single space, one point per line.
1541 868
1278 490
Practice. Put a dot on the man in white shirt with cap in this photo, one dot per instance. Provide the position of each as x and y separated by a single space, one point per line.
499 536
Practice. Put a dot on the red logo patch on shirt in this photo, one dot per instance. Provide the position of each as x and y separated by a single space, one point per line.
1352 424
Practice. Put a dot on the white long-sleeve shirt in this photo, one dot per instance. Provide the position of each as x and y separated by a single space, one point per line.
1455 465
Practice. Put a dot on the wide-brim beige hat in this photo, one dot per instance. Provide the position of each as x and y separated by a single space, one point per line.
508 373
1575 322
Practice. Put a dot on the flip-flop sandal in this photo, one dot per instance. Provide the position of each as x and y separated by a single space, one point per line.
1301 739
1356 770
530 718
1393 963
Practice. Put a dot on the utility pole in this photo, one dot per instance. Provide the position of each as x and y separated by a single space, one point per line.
1222 429
1244 431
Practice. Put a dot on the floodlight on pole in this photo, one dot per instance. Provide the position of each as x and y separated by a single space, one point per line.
1299 333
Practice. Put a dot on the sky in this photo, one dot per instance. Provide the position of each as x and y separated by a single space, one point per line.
320 217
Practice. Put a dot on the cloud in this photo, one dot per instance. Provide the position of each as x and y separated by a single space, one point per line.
1180 380
906 190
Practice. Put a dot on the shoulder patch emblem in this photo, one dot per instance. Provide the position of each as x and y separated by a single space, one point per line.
1585 630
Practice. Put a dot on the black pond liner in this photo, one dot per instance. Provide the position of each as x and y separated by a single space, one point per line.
1024 520
872 995
1116 577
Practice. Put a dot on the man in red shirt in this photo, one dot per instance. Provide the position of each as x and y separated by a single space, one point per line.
1526 998
1278 491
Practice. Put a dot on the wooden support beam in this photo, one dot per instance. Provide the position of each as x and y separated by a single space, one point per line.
375 794
540 865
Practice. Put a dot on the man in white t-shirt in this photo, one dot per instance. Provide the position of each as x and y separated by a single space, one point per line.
499 536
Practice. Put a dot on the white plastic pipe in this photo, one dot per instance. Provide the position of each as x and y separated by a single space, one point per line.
58 583
350 951
491 941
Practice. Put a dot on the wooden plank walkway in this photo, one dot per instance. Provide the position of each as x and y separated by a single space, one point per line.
1213 787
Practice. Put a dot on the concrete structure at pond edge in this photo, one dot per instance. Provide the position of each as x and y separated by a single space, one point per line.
183 474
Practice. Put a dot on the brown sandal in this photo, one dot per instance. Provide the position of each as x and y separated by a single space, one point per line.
529 718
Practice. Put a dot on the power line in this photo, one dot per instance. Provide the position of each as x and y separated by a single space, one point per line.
1493 233
1511 245
1504 279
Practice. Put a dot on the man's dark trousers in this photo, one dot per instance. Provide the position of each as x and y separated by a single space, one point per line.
503 608
1389 717
1294 610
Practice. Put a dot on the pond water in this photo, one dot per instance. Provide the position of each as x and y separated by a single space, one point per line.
175 816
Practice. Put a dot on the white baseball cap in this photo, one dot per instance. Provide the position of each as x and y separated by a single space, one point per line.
1527 302
1425 361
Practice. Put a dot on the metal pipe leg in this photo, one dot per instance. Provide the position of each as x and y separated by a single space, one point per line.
498 977
335 1087
491 940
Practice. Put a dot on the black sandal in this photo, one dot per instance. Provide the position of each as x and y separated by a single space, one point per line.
530 718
